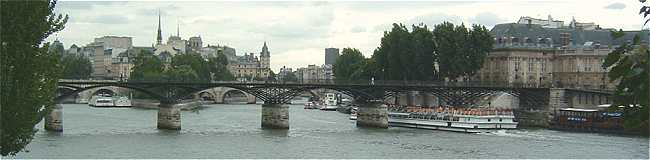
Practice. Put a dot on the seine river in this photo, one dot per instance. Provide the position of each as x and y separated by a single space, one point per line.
233 131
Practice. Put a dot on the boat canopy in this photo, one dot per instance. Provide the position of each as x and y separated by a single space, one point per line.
578 110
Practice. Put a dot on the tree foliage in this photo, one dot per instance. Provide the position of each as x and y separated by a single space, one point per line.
412 55
28 72
219 68
629 66
349 62
461 51
76 66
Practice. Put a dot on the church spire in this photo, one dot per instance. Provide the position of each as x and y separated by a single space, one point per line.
265 51
177 29
159 38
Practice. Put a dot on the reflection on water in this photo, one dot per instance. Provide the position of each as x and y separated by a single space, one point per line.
233 131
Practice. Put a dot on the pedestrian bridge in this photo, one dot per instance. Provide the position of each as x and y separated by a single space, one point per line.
369 95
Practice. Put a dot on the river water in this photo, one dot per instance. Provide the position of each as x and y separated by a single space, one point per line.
233 131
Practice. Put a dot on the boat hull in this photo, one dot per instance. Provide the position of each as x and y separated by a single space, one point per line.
450 125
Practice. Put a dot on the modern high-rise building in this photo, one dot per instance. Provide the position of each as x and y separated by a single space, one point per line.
330 55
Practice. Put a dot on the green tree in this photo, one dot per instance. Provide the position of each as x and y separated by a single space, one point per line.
76 67
146 67
461 51
219 68
28 73
182 73
367 70
349 62
201 67
404 55
629 66
423 47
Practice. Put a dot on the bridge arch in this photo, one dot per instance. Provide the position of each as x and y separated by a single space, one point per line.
76 90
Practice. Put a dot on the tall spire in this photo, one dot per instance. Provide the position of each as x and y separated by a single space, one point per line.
159 38
177 29
265 51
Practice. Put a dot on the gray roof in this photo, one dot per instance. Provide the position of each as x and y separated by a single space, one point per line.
578 37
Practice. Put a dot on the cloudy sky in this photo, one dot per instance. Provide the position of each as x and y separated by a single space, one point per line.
298 31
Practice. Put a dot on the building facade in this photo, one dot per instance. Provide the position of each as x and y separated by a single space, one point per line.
315 74
330 55
537 55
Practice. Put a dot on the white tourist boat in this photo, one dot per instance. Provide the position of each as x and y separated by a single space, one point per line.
473 122
109 101
104 102
330 102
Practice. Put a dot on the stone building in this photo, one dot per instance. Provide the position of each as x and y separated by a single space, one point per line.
248 66
546 23
581 68
313 73
532 54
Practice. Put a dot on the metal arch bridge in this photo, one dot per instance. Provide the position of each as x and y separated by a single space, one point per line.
459 93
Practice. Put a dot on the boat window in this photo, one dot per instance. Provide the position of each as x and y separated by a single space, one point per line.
500 119
489 120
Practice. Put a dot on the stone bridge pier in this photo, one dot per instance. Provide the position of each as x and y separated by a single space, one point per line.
54 119
275 116
373 115
169 116
415 98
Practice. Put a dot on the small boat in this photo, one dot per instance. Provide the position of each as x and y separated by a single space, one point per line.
311 105
122 102
330 102
353 114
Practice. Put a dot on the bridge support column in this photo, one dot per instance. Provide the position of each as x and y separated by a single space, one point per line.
169 116
402 99
54 120
558 99
427 98
411 98
373 115
275 116
250 99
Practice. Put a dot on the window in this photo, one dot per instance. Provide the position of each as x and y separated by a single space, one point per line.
489 120
500 120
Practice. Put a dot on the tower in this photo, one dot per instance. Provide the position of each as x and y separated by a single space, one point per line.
159 38
265 57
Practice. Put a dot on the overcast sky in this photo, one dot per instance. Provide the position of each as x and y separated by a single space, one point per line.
297 32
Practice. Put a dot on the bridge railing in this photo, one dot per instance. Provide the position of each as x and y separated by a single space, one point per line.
407 83
503 84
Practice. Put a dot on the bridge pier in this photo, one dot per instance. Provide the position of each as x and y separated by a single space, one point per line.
275 116
169 116
54 119
374 115
250 99
411 98
426 99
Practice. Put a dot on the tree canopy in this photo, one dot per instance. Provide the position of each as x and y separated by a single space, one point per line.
461 51
76 66
412 55
28 72
629 66
349 62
